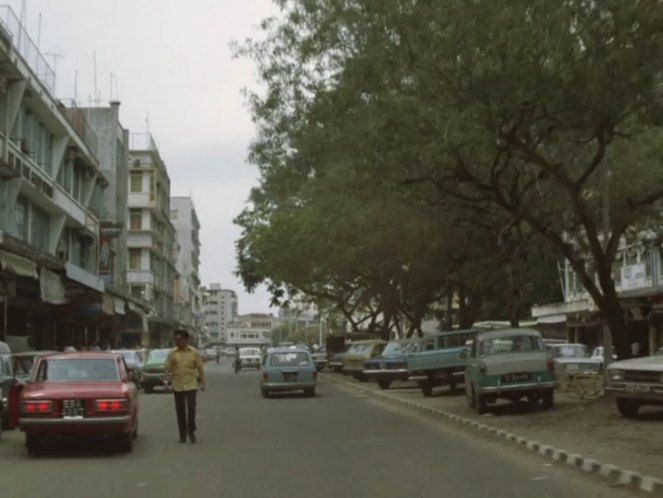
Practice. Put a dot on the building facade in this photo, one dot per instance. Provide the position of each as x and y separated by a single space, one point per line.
152 246
638 276
220 308
254 329
188 296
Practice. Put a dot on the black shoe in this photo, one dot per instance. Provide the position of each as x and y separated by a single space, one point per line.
192 438
182 440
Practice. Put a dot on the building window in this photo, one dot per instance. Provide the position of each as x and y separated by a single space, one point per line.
135 219
39 236
21 219
136 182
134 259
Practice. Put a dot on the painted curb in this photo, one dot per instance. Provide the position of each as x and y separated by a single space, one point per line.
612 474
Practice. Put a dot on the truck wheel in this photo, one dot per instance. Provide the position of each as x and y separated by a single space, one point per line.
384 384
470 398
480 404
426 388
628 408
548 398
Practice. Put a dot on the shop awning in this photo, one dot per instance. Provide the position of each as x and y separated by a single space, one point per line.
551 319
83 277
18 265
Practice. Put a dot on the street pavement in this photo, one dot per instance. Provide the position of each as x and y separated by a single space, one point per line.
340 444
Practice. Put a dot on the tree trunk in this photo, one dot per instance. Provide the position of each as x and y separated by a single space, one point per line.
513 295
614 315
465 321
450 307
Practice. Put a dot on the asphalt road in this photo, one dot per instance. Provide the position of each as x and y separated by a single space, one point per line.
339 444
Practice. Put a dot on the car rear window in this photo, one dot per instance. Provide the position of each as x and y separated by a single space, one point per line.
77 369
158 354
289 359
510 344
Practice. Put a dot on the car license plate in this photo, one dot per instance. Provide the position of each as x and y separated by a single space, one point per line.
637 388
72 408
290 376
516 377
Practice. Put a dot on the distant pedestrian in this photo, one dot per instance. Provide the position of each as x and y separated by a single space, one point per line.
635 349
184 372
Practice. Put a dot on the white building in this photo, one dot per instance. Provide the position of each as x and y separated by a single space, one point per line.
188 295
254 329
220 310
151 243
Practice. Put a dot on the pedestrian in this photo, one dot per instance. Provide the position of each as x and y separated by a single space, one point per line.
185 375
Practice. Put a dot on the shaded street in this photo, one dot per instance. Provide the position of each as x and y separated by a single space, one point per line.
337 444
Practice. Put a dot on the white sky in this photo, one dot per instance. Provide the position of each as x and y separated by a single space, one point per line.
171 61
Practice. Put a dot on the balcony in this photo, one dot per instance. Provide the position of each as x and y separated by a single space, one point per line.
70 206
143 277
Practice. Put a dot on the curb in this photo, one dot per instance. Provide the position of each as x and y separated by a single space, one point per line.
612 474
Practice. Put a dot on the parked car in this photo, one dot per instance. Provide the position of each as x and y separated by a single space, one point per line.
574 359
635 383
336 361
440 362
287 369
320 359
78 394
209 354
599 354
391 365
134 360
15 368
358 353
509 364
250 357
154 370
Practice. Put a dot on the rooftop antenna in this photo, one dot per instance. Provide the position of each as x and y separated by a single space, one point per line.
76 86
147 121
111 87
117 87
94 65
55 68
24 15
39 32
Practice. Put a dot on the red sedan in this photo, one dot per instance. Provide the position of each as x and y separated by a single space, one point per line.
78 394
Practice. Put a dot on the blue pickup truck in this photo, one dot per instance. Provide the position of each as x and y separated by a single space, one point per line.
441 362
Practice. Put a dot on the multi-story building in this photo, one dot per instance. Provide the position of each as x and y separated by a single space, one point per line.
254 329
220 310
152 247
50 186
188 295
638 276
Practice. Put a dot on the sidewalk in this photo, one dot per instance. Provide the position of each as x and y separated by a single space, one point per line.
593 429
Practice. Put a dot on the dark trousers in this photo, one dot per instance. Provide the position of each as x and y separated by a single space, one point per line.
185 407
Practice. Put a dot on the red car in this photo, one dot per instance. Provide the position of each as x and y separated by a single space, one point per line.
78 394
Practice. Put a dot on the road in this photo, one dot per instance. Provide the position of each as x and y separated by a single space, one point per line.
339 444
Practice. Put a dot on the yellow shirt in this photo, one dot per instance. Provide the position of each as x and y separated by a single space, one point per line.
184 368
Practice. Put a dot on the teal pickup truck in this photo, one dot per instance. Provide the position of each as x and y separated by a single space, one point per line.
441 362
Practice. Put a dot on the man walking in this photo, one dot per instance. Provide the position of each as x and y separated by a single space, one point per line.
184 372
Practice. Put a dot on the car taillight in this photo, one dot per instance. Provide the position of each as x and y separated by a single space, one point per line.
264 376
110 405
37 407
315 374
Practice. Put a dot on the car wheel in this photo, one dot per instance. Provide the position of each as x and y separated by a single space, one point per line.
134 433
32 444
148 389
310 393
481 405
265 393
126 442
384 384
533 399
426 388
628 407
361 377
548 398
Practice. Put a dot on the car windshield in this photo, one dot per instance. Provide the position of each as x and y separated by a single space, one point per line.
130 357
4 365
22 365
510 344
398 347
158 354
570 351
289 359
77 369
455 340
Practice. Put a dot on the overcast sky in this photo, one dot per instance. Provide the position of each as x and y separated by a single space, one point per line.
172 62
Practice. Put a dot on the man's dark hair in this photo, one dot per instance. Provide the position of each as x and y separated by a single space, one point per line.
182 333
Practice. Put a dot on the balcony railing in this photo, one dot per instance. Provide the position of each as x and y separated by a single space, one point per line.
78 120
27 48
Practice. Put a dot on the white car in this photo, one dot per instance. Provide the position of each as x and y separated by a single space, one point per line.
250 357
636 383
573 359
